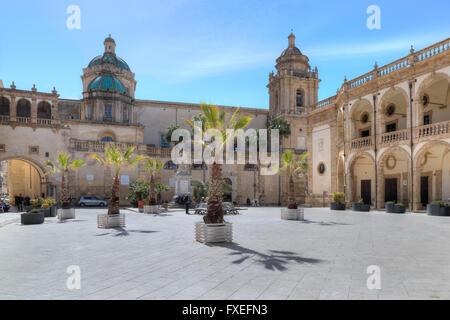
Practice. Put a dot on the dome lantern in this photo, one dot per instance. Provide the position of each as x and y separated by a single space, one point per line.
110 45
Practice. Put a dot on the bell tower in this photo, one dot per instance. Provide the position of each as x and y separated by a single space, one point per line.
293 90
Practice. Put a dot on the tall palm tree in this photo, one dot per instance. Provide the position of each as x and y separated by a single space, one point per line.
63 166
291 168
217 119
152 167
115 158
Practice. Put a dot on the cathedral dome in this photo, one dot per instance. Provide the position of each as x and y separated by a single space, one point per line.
109 56
107 82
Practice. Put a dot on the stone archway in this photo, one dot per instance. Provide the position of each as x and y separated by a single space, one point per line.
433 100
394 177
361 178
24 177
431 173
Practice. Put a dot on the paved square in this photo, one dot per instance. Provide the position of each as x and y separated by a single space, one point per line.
156 257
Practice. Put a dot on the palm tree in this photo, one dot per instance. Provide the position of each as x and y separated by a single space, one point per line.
216 119
117 159
63 166
291 168
152 167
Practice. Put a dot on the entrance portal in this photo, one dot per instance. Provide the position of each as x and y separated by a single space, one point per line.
21 177
366 191
390 190
424 191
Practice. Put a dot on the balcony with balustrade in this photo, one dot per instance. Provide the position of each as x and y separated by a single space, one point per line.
440 130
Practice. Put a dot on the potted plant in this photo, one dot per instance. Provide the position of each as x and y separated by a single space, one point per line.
64 166
36 203
438 208
34 216
338 203
49 208
115 158
292 168
392 207
152 167
137 194
360 206
214 229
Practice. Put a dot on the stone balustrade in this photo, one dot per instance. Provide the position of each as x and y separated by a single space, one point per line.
405 62
435 129
4 118
99 147
393 137
25 120
362 143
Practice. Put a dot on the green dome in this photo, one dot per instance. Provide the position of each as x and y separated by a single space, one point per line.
109 57
107 82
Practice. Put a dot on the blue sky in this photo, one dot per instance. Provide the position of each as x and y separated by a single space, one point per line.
209 50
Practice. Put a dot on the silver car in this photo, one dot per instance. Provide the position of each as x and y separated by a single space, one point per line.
91 201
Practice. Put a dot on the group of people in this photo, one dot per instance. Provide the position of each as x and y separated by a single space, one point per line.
255 202
21 201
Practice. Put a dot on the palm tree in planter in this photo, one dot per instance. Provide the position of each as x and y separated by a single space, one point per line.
115 158
216 119
152 167
64 166
291 168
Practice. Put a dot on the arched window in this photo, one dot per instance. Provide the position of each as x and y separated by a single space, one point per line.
4 106
44 110
107 139
24 108
300 98
169 165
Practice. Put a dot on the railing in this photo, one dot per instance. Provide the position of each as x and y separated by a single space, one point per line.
393 137
23 120
399 64
4 118
433 50
46 122
362 143
325 102
434 129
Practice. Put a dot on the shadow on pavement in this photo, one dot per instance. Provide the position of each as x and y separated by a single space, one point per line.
273 260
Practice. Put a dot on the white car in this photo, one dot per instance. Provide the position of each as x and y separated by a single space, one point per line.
91 201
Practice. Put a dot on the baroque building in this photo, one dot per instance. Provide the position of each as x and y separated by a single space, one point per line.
385 136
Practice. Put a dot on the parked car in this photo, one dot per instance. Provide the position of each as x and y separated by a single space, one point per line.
91 201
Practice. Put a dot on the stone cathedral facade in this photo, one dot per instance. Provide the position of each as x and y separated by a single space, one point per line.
384 136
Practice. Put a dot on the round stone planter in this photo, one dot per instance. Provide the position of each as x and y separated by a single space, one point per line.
292 214
360 207
152 209
213 233
109 221
392 208
32 218
337 206
437 210
66 214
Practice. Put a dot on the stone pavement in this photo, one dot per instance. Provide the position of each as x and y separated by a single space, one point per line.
156 257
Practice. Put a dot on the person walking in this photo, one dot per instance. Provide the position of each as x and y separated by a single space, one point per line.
188 203
19 203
